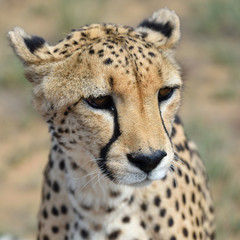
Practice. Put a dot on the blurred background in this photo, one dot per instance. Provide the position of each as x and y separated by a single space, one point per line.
209 54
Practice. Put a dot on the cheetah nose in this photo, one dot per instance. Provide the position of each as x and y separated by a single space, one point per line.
147 162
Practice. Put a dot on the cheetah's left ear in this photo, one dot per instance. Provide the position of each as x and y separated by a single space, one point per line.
162 29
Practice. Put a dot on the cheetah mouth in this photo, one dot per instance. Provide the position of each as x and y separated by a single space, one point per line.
137 178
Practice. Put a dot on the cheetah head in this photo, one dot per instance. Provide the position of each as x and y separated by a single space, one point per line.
110 92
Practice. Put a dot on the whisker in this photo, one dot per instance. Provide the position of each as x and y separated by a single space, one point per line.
181 166
94 160
85 176
88 182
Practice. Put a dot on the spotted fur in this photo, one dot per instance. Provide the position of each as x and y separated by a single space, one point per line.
124 170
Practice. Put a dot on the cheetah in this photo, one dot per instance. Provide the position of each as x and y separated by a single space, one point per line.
120 165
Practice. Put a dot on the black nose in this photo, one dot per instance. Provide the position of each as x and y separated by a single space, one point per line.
147 162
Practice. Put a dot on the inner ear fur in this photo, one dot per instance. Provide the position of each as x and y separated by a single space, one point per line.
162 29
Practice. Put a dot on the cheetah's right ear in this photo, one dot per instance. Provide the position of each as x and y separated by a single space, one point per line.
30 49
162 29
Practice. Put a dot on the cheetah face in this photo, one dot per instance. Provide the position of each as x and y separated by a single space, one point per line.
110 91
131 115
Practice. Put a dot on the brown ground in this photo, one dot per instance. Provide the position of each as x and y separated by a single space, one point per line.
210 107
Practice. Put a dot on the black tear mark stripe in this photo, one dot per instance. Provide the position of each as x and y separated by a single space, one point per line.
104 151
165 128
34 43
165 29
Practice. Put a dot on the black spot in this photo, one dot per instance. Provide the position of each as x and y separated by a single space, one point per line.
114 194
184 198
108 61
60 130
168 193
63 52
156 228
126 219
162 212
143 224
172 238
170 222
84 34
34 43
55 148
55 211
177 205
114 235
45 237
64 209
177 120
190 211
173 132
211 209
74 166
151 54
174 183
197 222
91 51
55 187
193 182
193 197
131 200
45 213
144 207
56 49
185 232
157 201
179 172
187 178
62 165
55 229
194 235
179 147
84 233
48 196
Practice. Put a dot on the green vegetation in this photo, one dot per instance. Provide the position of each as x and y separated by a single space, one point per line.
210 142
72 15
11 74
218 18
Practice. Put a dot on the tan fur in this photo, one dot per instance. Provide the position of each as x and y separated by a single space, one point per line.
91 190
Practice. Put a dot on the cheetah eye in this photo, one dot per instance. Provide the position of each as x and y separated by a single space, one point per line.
165 93
102 102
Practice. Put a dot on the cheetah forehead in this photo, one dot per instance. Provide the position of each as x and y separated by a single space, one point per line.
88 35
93 59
